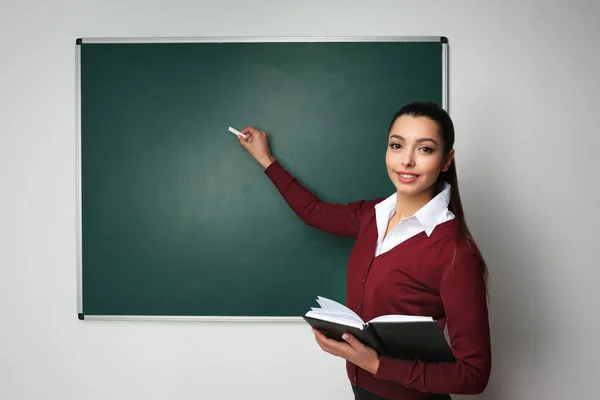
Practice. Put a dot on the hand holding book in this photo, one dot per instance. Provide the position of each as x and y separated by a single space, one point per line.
352 350
407 337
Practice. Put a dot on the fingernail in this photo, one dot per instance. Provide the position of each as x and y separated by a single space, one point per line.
345 337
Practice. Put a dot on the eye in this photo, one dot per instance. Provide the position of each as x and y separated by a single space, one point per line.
395 146
427 149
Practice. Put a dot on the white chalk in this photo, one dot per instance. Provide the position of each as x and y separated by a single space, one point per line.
237 133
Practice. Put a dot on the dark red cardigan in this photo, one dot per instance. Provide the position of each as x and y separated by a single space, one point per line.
438 276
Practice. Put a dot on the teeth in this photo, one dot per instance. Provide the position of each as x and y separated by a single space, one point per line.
408 176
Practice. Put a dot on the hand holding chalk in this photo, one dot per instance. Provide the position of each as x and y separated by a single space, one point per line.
237 133
257 144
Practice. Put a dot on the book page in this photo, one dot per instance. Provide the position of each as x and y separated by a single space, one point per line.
401 318
345 315
338 318
332 305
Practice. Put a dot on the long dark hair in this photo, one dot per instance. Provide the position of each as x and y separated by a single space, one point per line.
437 114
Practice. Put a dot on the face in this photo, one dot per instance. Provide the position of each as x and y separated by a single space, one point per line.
415 155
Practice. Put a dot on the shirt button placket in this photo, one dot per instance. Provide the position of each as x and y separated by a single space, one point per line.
362 287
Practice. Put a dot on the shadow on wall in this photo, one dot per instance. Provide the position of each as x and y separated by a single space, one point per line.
501 221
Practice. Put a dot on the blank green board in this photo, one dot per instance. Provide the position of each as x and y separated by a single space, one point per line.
175 219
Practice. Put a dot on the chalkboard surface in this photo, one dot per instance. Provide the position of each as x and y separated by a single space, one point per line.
177 220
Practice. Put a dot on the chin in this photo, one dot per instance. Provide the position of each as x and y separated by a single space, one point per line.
408 191
411 189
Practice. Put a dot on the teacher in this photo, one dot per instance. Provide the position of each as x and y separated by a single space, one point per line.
413 255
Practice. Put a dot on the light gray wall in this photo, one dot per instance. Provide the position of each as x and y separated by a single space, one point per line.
525 96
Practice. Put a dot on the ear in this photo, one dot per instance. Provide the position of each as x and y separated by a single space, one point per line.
448 160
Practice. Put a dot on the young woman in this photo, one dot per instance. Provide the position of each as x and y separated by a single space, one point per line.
413 255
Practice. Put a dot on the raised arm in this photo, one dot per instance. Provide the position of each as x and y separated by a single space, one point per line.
337 219
463 294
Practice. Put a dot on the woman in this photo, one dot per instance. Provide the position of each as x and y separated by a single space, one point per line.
413 255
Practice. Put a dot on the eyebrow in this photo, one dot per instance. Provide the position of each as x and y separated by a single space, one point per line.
418 140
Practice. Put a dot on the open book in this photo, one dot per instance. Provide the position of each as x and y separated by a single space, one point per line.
408 337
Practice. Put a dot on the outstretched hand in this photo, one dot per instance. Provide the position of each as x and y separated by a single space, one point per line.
257 144
353 350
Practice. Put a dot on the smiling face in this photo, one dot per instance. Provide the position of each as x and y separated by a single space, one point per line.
415 155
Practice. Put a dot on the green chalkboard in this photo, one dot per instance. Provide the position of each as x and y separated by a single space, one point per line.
175 219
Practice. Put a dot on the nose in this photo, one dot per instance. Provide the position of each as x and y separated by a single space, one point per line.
408 159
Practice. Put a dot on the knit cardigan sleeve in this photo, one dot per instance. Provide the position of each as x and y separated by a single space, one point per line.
334 218
463 295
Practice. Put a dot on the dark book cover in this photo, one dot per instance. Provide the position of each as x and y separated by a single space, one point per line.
335 331
422 341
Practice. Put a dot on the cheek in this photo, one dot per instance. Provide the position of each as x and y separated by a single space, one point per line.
432 165
390 160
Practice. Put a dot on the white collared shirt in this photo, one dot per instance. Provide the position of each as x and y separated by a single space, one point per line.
425 220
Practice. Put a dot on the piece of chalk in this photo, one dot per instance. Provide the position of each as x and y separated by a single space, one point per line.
236 132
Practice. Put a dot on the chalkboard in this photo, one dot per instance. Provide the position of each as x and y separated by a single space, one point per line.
176 220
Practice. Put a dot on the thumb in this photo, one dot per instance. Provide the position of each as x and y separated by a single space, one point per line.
351 340
245 142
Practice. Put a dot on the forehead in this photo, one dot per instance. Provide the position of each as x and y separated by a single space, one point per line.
410 127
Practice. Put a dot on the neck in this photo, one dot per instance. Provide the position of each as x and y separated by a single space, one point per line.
409 205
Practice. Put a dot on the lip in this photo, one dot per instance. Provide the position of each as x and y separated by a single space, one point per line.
404 180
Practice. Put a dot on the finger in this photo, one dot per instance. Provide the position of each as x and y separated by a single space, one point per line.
317 333
352 341
247 139
322 341
250 130
321 337
318 336
333 346
326 348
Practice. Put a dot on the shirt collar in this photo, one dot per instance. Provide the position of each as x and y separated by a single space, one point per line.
428 216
